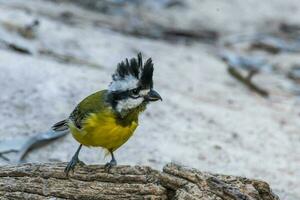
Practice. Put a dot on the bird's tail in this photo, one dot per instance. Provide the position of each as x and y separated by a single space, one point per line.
60 126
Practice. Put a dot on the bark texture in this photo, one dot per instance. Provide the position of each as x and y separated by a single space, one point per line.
48 181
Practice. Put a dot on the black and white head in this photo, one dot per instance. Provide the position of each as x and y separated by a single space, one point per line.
132 84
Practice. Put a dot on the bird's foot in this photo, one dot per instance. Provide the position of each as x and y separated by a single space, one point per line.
80 163
72 164
109 165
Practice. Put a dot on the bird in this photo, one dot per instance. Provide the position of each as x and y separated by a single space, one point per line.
108 118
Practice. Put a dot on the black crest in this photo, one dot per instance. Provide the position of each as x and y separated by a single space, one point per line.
147 73
134 67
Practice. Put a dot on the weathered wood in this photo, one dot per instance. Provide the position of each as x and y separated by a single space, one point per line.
48 181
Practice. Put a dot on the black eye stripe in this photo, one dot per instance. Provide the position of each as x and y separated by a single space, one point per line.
133 93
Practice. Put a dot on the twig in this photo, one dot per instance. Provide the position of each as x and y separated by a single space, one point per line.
237 75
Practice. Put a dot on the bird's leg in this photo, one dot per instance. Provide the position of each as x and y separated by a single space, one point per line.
112 162
74 161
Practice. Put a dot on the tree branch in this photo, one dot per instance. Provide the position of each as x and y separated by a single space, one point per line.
48 181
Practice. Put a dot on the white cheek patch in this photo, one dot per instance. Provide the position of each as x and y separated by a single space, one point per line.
129 103
127 83
144 92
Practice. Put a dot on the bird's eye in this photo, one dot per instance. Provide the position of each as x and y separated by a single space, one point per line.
135 91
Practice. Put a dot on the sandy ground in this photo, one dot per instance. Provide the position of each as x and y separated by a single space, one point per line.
207 119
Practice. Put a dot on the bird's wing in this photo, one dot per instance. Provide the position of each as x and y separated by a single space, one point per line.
91 104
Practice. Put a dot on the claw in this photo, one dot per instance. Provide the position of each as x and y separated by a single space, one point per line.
110 164
80 163
72 164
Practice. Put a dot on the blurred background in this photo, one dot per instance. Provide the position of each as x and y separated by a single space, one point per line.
228 71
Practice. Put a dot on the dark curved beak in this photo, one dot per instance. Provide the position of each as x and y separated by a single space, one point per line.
153 96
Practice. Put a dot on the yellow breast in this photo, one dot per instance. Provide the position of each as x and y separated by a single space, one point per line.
102 130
